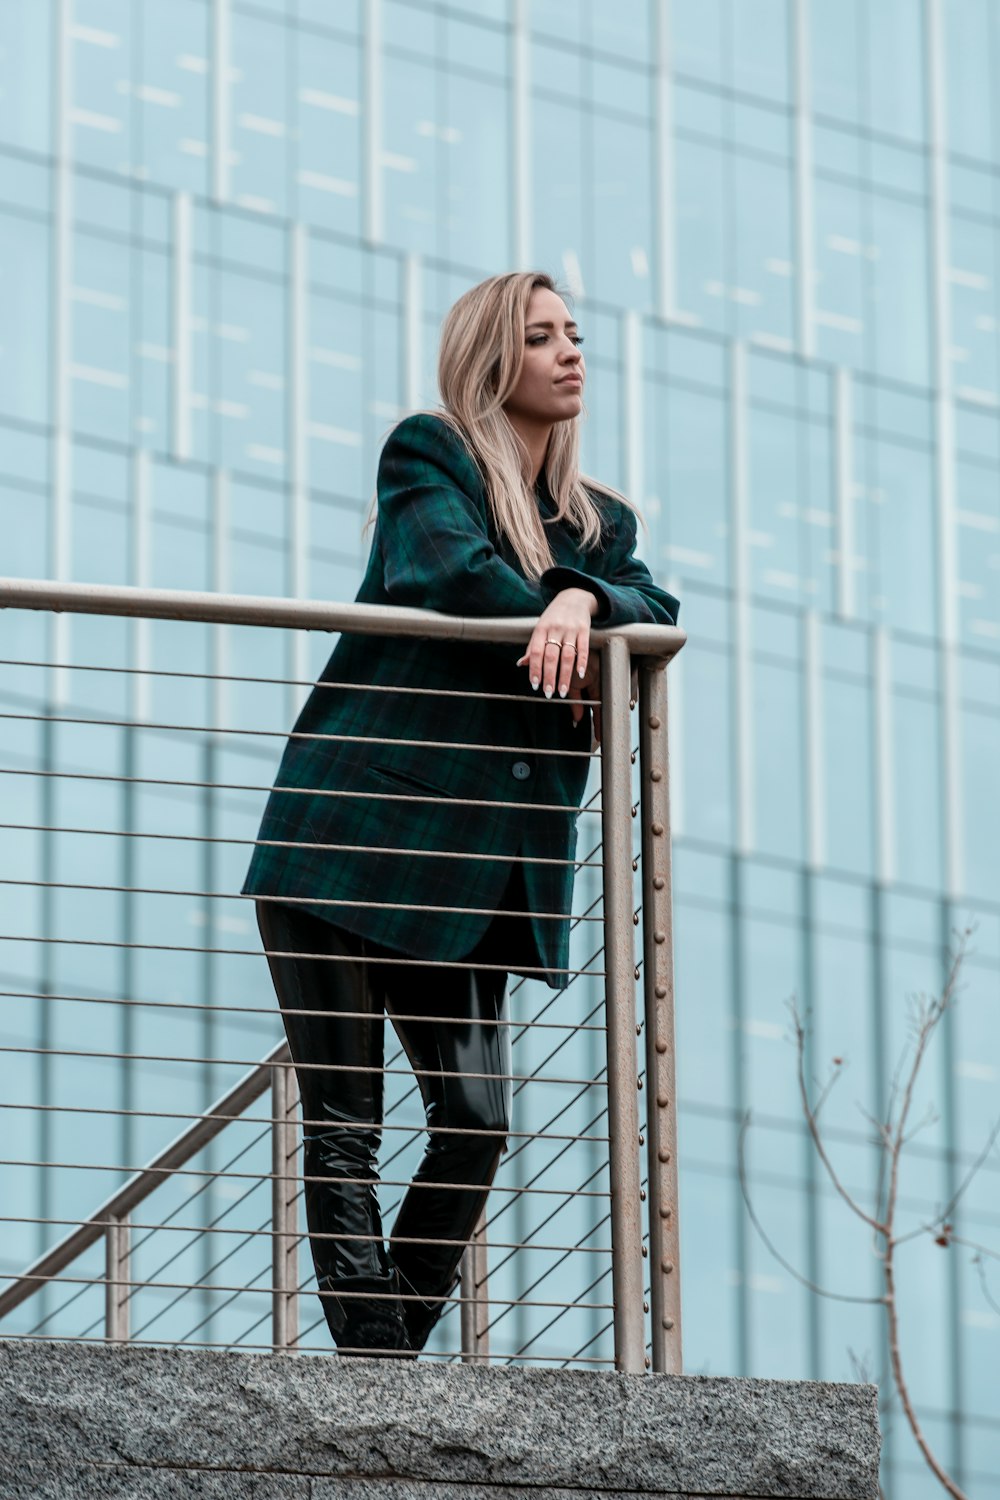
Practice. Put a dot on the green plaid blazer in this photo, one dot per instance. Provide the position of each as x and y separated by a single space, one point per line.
387 817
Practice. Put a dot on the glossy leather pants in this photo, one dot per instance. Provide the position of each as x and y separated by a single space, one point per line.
333 999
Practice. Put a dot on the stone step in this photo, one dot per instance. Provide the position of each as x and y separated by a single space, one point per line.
121 1422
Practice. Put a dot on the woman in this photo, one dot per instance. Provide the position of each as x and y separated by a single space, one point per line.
364 859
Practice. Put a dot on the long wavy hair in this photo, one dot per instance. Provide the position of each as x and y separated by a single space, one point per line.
479 362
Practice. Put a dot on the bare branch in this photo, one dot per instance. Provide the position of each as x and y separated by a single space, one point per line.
898 1375
836 1068
931 1013
879 1126
977 1261
813 1286
983 1250
894 1136
948 1212
861 1364
884 1135
813 1124
894 1091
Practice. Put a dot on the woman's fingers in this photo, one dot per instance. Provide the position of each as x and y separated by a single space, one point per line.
549 664
567 661
539 658
533 656
559 648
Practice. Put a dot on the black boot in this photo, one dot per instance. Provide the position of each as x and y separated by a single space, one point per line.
421 1314
370 1321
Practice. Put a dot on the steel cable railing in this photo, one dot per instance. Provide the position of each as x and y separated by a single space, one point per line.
562 1271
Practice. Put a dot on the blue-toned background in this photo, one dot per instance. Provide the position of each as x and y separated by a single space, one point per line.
228 233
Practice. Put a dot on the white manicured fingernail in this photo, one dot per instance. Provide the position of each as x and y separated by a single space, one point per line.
534 682
548 692
581 672
562 690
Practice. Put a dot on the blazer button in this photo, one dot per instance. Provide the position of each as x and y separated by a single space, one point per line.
520 770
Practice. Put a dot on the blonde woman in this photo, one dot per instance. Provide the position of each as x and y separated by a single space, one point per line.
404 868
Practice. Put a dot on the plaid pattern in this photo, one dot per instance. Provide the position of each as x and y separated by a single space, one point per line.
350 811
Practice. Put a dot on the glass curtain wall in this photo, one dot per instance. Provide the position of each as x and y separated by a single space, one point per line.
231 230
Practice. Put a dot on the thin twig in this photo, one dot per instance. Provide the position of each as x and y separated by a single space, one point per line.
983 1250
977 1261
931 1014
822 1291
893 1135
948 1212
813 1124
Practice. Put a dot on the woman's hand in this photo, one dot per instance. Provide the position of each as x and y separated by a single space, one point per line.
560 643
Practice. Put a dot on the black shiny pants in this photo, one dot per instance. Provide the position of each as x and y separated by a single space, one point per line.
333 999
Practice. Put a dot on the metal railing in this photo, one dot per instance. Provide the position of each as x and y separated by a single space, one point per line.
593 1120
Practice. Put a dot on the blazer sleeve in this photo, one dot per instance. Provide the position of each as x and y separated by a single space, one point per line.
436 549
626 592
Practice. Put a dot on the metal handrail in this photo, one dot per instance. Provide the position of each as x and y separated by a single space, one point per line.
656 645
660 641
126 1199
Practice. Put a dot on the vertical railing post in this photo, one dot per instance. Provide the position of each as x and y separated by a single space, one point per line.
117 1291
284 1217
658 984
475 1299
619 965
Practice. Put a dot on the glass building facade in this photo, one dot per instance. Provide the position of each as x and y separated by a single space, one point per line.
228 233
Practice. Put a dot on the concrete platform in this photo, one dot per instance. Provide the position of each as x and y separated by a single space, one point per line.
80 1422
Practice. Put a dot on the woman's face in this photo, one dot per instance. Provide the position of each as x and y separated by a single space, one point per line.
550 385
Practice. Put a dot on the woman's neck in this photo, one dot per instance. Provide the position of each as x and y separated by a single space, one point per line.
535 437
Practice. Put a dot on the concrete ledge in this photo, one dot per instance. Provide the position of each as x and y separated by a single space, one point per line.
117 1422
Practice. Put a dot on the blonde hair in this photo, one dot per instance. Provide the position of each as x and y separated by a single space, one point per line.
479 363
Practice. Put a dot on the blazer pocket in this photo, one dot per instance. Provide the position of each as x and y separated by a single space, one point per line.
412 783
